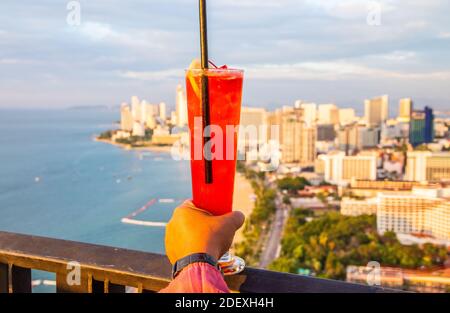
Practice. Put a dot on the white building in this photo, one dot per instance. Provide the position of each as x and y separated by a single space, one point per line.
181 107
376 110
309 113
162 111
136 108
355 207
346 116
126 118
427 166
423 211
340 169
138 129
327 114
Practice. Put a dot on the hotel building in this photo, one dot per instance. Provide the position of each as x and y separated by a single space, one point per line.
341 169
427 166
424 211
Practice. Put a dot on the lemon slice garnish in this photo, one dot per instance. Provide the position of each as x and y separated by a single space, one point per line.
195 64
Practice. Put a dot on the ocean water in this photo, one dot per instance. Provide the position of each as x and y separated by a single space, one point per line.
56 181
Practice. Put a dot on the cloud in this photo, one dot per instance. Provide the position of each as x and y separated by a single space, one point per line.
147 44
338 70
100 32
444 35
169 74
315 71
398 55
15 61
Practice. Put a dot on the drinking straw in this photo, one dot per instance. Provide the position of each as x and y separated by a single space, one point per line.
205 90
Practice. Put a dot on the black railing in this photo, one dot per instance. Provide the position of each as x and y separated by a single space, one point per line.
105 269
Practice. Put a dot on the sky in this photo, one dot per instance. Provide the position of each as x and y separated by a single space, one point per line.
323 51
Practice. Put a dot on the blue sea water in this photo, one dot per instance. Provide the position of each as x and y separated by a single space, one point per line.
56 181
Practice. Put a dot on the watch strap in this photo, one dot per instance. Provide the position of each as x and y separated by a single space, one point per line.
193 258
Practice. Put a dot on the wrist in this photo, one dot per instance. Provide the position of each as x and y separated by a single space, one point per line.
193 258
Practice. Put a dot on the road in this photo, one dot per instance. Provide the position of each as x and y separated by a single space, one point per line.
273 246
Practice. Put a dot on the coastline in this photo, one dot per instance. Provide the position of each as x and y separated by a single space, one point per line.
243 191
152 148
242 201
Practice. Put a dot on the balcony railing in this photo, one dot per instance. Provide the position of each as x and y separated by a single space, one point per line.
109 270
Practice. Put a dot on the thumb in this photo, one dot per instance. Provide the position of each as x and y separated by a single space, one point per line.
234 219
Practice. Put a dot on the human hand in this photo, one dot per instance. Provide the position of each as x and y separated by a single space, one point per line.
192 230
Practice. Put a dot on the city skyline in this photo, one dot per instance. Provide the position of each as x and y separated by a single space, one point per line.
317 51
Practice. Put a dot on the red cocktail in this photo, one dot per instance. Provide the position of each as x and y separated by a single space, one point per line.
225 94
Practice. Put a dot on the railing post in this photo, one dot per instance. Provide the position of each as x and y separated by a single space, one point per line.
106 286
4 278
14 279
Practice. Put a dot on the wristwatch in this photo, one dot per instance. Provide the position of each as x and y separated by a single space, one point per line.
194 258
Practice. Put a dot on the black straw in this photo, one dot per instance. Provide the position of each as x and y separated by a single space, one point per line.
205 91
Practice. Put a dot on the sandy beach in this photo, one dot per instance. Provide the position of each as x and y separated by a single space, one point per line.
166 149
242 200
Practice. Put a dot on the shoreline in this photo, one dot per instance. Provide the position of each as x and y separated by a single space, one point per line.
242 201
151 148
243 196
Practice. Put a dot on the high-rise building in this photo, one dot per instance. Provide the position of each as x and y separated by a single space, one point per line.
297 141
327 114
173 118
427 166
348 138
376 110
309 113
421 127
308 146
429 124
181 107
354 137
326 132
369 137
405 109
136 109
346 116
126 119
341 169
251 121
162 111
253 116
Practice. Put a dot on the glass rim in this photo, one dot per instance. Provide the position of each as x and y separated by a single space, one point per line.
215 70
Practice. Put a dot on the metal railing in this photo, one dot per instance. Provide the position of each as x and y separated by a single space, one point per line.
105 269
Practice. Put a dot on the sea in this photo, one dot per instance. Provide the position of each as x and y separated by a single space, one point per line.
57 181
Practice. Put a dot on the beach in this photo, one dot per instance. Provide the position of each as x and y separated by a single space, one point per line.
243 200
151 148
